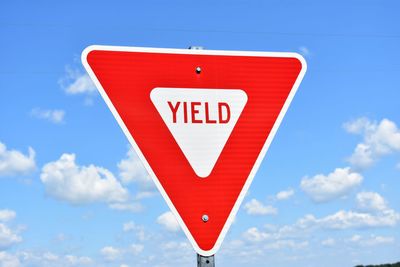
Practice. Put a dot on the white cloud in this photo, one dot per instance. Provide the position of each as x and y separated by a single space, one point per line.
169 221
136 249
174 245
338 221
290 236
371 201
380 139
174 253
129 226
7 215
373 240
65 180
8 260
55 116
145 194
359 126
110 253
8 237
255 207
78 261
61 237
48 256
282 244
132 207
271 240
131 170
355 238
328 242
13 162
76 82
286 194
323 188
49 259
350 219
137 229
253 234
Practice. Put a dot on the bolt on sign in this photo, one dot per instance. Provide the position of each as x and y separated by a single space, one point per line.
201 122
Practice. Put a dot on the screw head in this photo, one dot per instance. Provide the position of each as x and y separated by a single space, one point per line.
198 70
204 218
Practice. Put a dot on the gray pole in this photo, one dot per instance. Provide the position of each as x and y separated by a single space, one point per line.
203 261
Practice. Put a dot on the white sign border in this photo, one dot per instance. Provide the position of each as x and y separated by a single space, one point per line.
260 157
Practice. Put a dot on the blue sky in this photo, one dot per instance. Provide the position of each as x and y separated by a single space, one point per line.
326 192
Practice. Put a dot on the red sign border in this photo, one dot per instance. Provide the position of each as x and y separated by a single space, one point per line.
261 155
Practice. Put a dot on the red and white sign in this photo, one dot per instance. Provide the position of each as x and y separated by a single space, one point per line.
201 121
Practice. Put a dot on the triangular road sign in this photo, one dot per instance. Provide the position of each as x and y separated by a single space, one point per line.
201 121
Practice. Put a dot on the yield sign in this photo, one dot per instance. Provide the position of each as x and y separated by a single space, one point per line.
201 122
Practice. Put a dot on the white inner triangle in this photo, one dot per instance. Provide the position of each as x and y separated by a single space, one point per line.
201 121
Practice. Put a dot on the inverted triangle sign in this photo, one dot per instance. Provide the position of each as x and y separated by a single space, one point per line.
201 121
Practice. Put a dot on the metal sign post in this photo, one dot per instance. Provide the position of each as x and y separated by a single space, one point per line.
203 261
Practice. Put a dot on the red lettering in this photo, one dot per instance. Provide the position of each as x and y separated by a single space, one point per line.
228 112
174 110
208 115
185 116
195 111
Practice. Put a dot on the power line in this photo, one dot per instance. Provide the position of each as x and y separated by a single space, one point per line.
281 33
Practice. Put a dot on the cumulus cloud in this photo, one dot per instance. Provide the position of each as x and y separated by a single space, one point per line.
255 207
290 236
135 228
76 82
328 242
291 244
49 259
110 253
271 240
132 207
8 260
65 180
340 220
174 245
78 261
253 234
372 240
169 222
371 201
131 170
350 220
379 139
322 188
175 253
136 249
129 226
145 194
7 215
284 195
8 236
52 115
48 256
13 162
